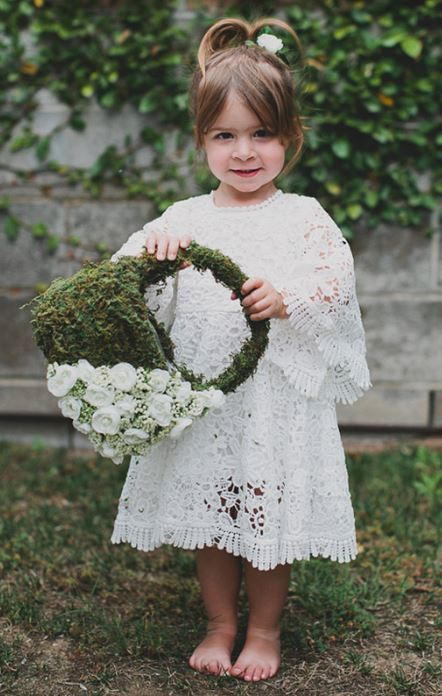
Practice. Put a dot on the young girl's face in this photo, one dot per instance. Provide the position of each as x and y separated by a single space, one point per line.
240 152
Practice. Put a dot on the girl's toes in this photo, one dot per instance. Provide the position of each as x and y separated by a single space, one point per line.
214 667
236 670
248 674
257 674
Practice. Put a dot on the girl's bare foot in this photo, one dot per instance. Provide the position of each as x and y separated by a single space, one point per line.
260 657
212 655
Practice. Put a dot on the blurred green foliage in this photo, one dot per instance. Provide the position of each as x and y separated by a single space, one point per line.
368 93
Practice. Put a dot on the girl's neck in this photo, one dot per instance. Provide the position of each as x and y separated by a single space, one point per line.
225 196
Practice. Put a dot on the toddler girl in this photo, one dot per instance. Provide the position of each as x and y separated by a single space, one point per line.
260 481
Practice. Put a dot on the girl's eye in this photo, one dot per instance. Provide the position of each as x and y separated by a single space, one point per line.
263 132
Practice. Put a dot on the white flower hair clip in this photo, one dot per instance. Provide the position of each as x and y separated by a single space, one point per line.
270 42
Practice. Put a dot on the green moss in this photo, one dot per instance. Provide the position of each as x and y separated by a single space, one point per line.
100 314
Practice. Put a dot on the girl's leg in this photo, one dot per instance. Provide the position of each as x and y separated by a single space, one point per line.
266 591
219 574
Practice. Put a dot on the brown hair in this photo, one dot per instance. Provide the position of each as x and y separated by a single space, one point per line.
262 80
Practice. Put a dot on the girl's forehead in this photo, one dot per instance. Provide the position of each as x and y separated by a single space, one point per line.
235 112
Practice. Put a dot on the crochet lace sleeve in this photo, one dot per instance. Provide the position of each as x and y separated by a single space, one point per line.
160 297
324 318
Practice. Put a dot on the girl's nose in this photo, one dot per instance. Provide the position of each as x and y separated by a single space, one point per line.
243 150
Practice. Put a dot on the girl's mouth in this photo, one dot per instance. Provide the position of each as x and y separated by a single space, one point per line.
246 172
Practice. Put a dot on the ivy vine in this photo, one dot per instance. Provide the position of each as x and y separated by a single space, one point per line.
369 92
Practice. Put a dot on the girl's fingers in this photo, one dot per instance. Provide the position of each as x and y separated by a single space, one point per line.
151 243
172 249
185 241
163 243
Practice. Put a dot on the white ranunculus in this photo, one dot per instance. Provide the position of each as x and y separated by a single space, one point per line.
126 405
123 376
106 420
160 409
86 371
217 397
158 379
134 436
183 392
70 407
84 428
270 42
63 380
179 427
199 403
106 450
99 395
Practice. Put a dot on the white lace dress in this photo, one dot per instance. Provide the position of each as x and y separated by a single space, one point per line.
263 476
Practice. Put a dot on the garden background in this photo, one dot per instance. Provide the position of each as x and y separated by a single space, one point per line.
95 141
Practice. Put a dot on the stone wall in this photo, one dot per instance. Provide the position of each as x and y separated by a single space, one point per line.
399 283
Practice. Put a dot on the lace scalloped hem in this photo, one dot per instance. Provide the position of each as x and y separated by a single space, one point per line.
263 557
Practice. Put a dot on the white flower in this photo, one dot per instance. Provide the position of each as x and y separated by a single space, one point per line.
107 451
183 392
84 428
86 371
70 407
158 379
179 427
216 397
126 404
63 380
199 403
106 420
270 42
123 376
160 409
98 395
133 436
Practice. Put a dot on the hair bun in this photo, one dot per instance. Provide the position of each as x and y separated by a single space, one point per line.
223 34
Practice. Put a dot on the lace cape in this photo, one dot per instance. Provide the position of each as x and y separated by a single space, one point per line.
321 345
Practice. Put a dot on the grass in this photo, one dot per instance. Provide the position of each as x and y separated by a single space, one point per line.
78 614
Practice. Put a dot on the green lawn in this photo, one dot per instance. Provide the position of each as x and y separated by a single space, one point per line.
79 615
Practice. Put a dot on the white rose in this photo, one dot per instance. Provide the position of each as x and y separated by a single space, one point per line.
107 451
183 392
158 379
98 395
84 428
70 407
179 427
106 420
217 397
123 376
270 42
199 403
134 436
63 380
126 405
86 371
160 409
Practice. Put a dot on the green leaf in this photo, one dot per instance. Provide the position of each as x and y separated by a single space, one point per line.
87 91
23 141
42 149
11 228
39 230
371 198
412 46
333 188
52 243
341 148
146 105
5 202
354 211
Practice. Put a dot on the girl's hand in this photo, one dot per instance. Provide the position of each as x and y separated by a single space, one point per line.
264 302
167 245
